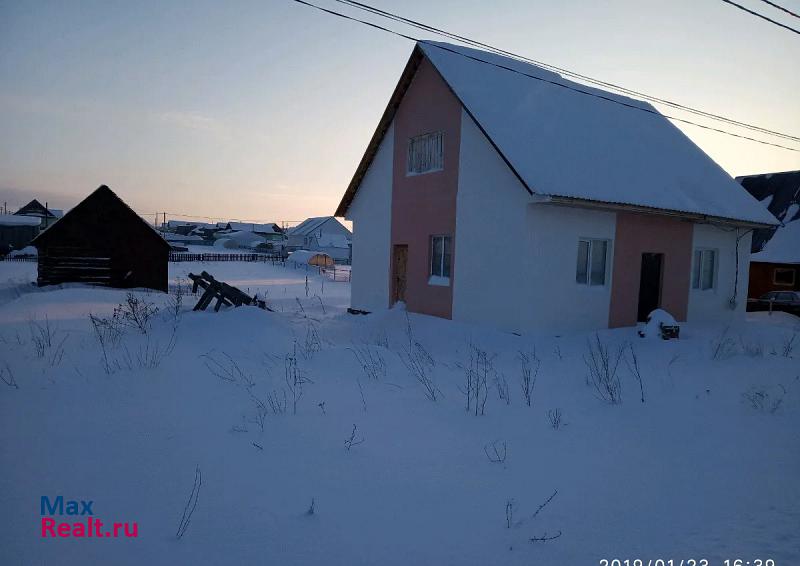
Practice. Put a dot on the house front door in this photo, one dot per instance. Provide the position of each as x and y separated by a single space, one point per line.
650 285
399 264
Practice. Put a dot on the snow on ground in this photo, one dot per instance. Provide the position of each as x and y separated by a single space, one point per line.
696 471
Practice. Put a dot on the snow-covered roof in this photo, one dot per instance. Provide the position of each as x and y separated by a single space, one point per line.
310 258
780 194
309 225
19 220
563 143
181 238
333 241
784 245
268 228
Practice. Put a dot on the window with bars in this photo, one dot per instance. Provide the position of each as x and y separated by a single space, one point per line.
591 268
441 254
425 154
704 268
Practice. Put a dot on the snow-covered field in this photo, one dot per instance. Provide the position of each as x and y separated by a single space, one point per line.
707 467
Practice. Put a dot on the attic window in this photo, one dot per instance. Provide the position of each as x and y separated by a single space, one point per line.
425 154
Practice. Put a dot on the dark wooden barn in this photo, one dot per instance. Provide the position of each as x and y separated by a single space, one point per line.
102 241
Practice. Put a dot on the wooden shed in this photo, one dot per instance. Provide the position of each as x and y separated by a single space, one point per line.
102 241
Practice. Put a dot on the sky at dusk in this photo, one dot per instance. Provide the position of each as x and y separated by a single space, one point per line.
261 110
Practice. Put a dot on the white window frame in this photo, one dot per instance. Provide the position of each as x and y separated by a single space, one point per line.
425 154
697 282
592 242
775 276
438 278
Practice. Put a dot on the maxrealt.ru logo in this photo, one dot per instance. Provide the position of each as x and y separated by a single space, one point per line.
89 527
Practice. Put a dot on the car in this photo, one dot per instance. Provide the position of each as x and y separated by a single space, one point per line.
786 301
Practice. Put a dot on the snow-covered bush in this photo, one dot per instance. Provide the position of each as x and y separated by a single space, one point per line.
603 364
496 451
477 369
632 361
8 376
371 361
135 313
761 400
723 346
419 363
48 341
554 417
529 373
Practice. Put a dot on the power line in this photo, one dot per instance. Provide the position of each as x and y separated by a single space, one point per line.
774 5
567 72
541 79
763 17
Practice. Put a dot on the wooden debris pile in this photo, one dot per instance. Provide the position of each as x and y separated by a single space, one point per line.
223 293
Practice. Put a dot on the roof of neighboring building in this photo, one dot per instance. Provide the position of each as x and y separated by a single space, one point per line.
333 241
595 150
268 228
35 208
779 193
309 225
784 246
104 198
15 220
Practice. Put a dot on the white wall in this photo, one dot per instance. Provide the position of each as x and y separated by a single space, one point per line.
515 261
489 284
371 215
714 304
559 303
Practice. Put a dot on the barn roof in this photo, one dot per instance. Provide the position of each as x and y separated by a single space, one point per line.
104 199
581 148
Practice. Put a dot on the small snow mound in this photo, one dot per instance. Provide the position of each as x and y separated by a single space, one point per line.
652 329
27 251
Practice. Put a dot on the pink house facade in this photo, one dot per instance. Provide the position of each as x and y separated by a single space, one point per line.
492 196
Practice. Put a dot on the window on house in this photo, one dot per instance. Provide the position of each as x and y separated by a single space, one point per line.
425 154
441 253
703 269
591 268
783 276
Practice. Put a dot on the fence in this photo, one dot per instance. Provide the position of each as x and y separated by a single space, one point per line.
18 259
182 256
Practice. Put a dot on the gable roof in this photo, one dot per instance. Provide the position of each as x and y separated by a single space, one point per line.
105 199
780 193
333 241
565 144
309 225
35 208
784 245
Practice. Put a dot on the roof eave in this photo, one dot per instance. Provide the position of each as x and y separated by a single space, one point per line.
624 207
383 126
